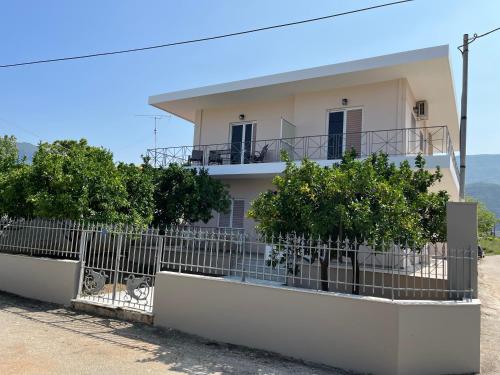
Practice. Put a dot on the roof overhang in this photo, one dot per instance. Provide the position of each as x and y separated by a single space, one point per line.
427 70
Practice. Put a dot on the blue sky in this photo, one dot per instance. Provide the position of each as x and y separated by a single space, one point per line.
98 98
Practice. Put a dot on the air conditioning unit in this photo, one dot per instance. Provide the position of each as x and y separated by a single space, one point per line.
421 110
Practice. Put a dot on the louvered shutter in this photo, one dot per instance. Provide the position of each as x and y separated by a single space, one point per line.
225 218
354 122
238 213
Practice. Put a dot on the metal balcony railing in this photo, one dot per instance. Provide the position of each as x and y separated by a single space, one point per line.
394 142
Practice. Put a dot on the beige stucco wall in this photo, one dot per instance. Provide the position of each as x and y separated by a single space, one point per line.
364 334
384 105
247 189
215 123
50 280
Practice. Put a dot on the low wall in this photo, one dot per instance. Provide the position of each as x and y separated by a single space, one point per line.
50 280
365 334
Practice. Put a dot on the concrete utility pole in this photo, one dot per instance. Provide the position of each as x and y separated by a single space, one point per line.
463 116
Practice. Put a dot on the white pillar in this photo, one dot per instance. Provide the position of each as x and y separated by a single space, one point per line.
462 244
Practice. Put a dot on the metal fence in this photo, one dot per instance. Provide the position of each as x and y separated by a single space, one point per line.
119 263
41 237
393 271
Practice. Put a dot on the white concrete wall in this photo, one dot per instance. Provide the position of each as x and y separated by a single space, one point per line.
43 279
360 333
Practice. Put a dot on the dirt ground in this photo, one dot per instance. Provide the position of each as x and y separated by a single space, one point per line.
39 338
489 294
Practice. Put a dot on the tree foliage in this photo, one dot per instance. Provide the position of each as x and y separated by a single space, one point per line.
73 180
185 195
486 219
14 180
370 199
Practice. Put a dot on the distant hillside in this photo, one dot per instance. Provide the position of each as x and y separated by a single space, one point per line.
483 181
26 149
483 168
487 193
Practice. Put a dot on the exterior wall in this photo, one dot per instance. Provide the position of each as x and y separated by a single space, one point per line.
381 103
364 334
247 189
43 279
214 123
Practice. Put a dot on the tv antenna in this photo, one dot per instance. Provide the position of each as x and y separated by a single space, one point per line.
156 118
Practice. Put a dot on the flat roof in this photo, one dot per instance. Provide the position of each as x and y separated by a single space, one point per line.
427 70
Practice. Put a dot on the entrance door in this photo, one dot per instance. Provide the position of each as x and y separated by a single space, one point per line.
335 134
241 142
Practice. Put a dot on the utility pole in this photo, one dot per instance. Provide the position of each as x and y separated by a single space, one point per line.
463 116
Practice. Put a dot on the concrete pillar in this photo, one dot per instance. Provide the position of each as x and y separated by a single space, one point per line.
462 244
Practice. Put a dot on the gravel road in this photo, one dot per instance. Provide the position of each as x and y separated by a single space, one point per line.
39 338
489 294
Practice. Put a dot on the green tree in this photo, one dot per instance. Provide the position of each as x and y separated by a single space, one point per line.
184 195
14 180
486 219
9 155
139 185
72 180
369 200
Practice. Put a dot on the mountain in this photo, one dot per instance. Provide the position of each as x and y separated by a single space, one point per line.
26 150
483 168
483 181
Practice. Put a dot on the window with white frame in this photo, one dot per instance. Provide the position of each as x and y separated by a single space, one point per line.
234 218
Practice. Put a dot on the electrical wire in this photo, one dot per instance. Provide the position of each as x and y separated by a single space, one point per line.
204 39
475 36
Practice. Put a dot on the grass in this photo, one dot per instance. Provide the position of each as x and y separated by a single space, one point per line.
491 246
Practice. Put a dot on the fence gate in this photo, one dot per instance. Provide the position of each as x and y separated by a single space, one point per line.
119 267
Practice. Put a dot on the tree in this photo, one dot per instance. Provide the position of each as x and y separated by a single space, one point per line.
14 180
486 219
369 200
72 180
139 185
185 195
9 155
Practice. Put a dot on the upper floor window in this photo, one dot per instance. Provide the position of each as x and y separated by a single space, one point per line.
344 131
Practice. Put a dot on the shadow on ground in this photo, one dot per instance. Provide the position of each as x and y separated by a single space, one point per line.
181 352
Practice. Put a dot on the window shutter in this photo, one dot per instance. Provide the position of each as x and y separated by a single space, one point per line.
354 122
238 213
225 218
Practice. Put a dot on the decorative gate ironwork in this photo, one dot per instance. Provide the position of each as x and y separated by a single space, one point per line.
119 266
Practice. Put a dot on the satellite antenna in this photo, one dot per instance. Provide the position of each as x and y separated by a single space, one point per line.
156 118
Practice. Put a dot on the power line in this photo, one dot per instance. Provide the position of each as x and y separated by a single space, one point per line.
204 39
476 36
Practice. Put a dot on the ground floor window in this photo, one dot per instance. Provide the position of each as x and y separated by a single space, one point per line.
235 217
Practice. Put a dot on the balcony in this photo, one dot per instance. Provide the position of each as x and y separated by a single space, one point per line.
428 141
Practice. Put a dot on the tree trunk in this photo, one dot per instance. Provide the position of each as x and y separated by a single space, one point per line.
355 271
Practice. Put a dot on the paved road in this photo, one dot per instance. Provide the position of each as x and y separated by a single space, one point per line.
489 293
38 338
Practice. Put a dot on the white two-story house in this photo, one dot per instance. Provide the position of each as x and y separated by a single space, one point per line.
401 104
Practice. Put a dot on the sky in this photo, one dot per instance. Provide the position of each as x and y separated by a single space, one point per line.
98 99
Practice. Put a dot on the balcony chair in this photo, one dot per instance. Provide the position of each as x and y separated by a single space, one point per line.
258 157
214 157
196 157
